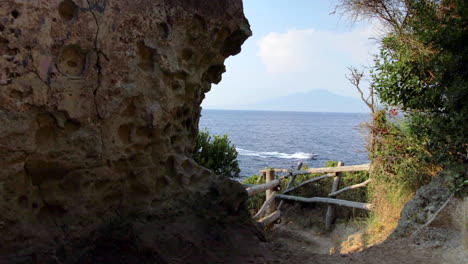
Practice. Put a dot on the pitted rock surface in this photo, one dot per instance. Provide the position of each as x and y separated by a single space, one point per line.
99 107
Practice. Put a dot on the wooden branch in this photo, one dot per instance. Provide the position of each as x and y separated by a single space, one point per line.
290 183
260 178
355 186
362 167
365 206
309 181
265 206
262 187
270 218
277 170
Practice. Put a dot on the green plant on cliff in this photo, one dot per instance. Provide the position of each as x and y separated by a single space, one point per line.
422 69
400 166
216 153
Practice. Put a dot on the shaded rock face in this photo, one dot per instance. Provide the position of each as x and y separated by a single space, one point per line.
427 202
99 106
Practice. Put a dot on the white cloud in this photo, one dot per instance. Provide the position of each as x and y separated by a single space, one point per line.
296 61
310 50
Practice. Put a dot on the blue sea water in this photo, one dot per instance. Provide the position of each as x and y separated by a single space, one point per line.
281 139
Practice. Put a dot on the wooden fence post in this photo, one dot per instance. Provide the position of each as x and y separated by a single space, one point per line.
270 176
331 214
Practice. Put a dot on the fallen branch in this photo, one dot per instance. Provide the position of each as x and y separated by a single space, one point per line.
365 206
355 186
290 183
308 181
362 167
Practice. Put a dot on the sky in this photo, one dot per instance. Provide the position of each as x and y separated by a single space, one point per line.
296 46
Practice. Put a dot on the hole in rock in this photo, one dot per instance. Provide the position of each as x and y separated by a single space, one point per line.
232 44
187 54
163 30
214 73
146 55
125 132
68 10
72 60
15 14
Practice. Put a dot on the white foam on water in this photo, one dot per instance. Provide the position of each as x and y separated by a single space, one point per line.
275 154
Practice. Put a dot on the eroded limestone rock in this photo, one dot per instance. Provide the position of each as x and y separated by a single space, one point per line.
99 107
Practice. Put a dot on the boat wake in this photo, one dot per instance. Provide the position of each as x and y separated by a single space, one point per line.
275 154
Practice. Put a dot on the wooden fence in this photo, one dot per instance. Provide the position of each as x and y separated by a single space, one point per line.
271 211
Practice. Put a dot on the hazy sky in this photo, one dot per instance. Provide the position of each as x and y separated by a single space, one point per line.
296 46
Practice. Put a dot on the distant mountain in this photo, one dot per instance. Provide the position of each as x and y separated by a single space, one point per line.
312 101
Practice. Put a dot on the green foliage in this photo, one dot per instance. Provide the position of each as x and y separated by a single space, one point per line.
400 166
423 69
399 160
217 154
255 201
459 179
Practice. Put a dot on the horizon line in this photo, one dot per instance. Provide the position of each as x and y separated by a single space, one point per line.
291 111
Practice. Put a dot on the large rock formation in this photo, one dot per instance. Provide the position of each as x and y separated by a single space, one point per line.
99 109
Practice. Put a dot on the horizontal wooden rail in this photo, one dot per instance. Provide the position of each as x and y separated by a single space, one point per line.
308 181
365 206
362 167
359 185
262 187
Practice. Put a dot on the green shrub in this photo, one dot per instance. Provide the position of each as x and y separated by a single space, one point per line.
255 201
422 69
400 166
217 154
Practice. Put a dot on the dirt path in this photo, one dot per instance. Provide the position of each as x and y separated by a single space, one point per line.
433 247
439 243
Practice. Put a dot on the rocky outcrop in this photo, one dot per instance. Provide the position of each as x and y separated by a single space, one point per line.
99 109
427 203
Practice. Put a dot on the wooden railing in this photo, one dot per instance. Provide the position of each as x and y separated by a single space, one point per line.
270 212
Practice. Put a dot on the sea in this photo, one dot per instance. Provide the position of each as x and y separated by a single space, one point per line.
281 139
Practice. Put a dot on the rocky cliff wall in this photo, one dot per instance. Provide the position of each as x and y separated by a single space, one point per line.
99 108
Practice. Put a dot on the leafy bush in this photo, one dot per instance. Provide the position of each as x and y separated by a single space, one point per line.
400 166
217 154
422 69
255 201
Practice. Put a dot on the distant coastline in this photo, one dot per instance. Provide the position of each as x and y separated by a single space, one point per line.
315 101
